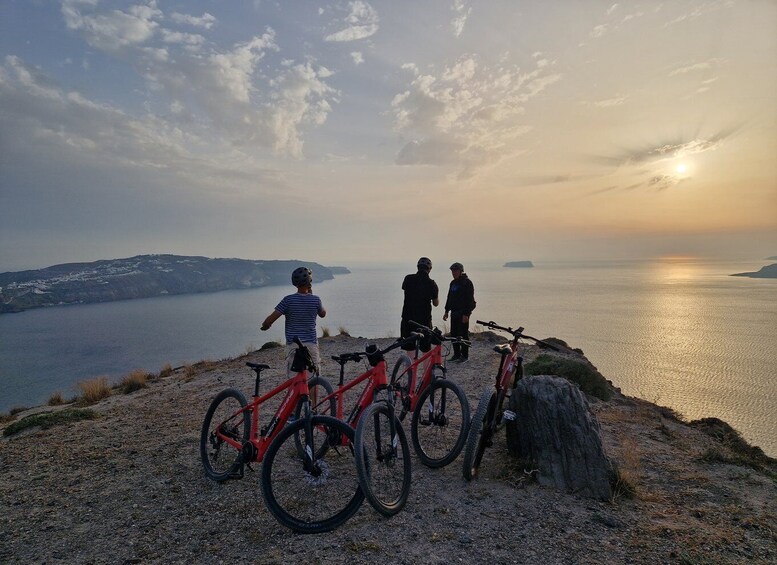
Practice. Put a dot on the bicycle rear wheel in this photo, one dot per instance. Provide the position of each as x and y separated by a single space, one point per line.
440 423
480 433
224 418
315 496
382 461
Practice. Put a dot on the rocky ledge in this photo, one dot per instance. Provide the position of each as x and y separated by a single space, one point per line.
128 487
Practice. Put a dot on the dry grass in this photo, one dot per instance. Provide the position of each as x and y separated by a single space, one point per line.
56 399
166 371
342 330
136 380
94 390
628 469
188 372
325 332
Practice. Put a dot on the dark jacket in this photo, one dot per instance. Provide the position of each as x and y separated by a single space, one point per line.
461 296
420 290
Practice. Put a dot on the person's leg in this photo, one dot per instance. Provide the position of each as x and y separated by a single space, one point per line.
455 332
464 332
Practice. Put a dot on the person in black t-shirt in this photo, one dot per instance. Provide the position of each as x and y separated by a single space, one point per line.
421 293
460 303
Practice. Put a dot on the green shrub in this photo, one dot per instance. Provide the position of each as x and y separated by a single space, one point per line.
50 419
589 379
270 345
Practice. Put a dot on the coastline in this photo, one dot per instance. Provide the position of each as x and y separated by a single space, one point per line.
129 487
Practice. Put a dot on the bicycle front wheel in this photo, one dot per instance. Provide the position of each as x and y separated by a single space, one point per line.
440 423
382 460
224 419
318 389
400 382
317 494
480 433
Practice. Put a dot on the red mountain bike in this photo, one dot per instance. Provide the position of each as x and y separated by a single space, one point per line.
440 408
309 478
382 455
490 414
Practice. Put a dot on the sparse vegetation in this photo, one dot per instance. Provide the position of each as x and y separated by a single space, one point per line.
342 330
94 390
270 345
136 380
16 409
56 399
626 473
166 371
6 418
50 419
589 379
325 332
188 372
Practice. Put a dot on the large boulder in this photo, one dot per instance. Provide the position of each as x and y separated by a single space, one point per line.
556 432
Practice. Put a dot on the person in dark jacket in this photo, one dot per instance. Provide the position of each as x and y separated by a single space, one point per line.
460 304
421 292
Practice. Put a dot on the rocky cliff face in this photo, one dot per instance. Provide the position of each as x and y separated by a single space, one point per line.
142 276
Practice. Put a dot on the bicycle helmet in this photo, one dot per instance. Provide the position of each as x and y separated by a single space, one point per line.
457 267
425 263
302 276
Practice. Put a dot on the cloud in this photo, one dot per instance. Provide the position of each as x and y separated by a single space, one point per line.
616 101
357 57
362 22
466 114
205 21
113 30
462 13
697 67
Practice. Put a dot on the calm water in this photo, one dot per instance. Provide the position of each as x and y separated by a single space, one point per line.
680 333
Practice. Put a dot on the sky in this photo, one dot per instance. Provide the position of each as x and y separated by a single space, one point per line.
352 131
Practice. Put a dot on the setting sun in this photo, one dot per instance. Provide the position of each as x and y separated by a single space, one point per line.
681 168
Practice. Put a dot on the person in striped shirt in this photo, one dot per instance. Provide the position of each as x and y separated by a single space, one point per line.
300 310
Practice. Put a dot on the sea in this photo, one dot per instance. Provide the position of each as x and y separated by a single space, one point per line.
679 332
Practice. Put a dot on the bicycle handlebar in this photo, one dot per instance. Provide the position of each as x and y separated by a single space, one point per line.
358 355
437 334
517 334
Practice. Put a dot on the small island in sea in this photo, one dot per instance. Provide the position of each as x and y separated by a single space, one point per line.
143 276
519 264
767 272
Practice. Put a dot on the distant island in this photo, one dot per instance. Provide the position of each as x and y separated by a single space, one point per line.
339 270
767 272
142 276
519 264
774 258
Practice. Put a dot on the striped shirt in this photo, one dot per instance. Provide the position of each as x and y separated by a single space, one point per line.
300 311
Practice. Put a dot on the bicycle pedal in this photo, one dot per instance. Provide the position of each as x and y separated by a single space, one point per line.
509 415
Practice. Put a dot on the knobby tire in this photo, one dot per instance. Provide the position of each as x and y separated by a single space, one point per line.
439 438
221 460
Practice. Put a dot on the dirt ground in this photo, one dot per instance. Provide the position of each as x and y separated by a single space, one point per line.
128 487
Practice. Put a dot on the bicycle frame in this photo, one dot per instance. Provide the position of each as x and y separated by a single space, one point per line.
377 380
296 388
432 358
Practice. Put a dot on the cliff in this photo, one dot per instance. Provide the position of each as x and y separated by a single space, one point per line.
143 276
128 487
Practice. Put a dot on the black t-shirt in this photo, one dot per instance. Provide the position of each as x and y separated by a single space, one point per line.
420 290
